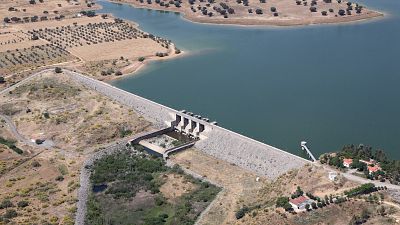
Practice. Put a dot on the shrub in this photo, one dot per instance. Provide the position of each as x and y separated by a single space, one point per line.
241 212
10 213
59 178
324 13
118 73
35 164
22 204
6 203
58 70
141 59
313 9
2 80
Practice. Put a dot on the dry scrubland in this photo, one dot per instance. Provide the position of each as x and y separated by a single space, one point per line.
262 12
56 33
78 121
241 189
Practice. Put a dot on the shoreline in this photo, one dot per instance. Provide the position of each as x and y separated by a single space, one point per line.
372 15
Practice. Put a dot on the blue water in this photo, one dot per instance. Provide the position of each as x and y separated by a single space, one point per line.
330 85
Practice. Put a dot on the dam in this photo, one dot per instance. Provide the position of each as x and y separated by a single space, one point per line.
214 140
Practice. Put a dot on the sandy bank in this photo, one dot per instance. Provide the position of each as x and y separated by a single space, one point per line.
289 14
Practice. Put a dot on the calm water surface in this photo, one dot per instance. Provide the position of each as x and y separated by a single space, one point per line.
328 84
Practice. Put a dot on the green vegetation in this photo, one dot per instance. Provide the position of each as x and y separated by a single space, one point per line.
242 212
390 168
284 203
22 204
10 144
177 143
6 203
130 177
362 189
58 70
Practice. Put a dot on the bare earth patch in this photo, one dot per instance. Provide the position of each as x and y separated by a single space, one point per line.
175 186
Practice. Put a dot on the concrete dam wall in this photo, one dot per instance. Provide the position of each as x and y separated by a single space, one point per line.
218 142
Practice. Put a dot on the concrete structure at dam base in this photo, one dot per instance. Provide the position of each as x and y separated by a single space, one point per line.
214 140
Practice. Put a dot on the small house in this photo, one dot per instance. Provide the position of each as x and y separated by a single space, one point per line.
300 202
347 162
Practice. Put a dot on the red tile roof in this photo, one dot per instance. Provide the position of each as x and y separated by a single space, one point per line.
348 161
373 168
298 200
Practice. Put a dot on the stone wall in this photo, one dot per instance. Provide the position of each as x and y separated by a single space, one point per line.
248 153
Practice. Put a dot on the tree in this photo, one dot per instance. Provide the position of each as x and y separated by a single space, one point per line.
342 12
308 207
319 204
2 80
313 9
58 70
90 13
273 9
6 20
288 207
118 73
314 205
259 11
281 201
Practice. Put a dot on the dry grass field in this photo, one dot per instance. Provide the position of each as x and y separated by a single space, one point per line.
261 12
41 183
240 186
240 189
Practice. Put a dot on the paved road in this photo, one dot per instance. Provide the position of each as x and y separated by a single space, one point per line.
361 180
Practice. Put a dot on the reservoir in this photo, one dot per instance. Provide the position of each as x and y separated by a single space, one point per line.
329 85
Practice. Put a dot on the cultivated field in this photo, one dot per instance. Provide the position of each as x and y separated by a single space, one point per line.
262 12
69 34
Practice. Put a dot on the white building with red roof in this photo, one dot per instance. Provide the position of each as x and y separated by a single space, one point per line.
347 162
373 169
300 202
